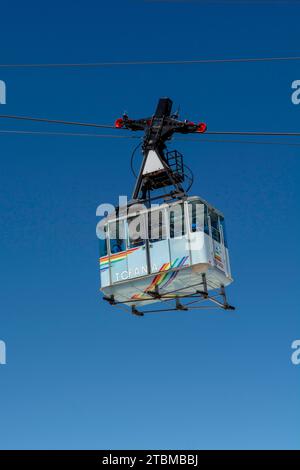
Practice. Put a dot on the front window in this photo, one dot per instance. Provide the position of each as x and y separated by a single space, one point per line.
196 216
157 228
103 241
117 236
177 225
136 233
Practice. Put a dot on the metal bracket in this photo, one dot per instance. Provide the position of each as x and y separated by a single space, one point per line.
136 312
110 300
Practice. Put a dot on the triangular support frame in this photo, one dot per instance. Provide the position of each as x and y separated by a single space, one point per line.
154 168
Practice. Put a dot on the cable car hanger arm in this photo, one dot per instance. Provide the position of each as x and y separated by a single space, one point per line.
156 171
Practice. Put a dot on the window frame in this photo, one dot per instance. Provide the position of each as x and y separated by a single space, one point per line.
129 244
117 221
183 219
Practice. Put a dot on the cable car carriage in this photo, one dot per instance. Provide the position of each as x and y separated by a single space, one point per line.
173 252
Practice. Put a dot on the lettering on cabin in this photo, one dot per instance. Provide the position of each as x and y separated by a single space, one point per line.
137 271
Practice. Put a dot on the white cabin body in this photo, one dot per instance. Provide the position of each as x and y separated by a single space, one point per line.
172 247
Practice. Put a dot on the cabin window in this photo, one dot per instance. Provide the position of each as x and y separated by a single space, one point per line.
222 223
177 223
214 220
157 228
206 223
196 216
136 231
117 236
102 241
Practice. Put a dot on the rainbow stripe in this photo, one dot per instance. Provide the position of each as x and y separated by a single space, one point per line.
115 258
163 279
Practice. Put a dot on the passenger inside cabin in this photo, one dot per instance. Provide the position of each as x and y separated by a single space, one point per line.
117 238
117 245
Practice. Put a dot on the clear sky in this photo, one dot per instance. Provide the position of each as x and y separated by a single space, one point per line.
81 374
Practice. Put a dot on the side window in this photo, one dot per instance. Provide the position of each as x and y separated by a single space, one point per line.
214 220
196 216
224 230
136 232
117 236
177 225
103 241
157 229
206 224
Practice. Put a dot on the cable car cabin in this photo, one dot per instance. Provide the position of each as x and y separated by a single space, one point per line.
165 252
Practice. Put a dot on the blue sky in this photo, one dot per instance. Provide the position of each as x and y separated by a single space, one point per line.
81 374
